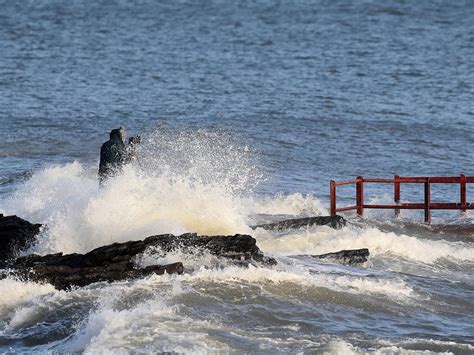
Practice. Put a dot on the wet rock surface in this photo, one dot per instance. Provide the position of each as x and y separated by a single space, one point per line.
64 277
116 261
335 222
348 257
16 234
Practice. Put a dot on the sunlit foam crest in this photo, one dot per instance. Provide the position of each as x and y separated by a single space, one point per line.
112 328
80 216
397 289
298 275
152 322
296 205
15 292
181 182
325 240
189 182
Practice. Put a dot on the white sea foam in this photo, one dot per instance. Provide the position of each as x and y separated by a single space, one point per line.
325 240
441 346
395 289
182 183
25 316
189 183
32 303
80 216
151 326
395 350
159 324
185 194
15 293
337 346
295 204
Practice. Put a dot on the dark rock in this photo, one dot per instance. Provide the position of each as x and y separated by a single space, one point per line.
63 277
335 222
348 257
16 234
116 261
238 247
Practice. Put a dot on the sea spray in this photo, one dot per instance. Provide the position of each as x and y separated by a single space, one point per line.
181 182
209 157
217 306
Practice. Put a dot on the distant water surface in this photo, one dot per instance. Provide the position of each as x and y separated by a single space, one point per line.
248 109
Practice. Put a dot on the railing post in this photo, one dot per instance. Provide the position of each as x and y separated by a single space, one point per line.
463 193
427 201
332 191
396 193
360 195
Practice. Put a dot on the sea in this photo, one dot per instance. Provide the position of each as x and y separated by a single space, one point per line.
246 111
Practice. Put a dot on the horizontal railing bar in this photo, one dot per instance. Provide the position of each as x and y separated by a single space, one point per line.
407 180
414 206
347 208
407 206
468 207
413 180
346 182
379 180
451 180
420 206
441 179
397 181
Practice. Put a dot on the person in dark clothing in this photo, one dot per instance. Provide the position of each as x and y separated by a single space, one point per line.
113 154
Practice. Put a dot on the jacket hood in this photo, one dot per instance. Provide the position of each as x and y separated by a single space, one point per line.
118 135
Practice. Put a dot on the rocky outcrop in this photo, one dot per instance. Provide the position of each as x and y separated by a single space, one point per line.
348 257
15 234
64 277
116 261
335 222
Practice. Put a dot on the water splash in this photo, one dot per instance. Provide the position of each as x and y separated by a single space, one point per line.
181 182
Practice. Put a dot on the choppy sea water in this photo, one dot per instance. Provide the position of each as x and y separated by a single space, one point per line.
247 110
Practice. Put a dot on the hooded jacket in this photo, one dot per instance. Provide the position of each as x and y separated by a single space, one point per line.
113 154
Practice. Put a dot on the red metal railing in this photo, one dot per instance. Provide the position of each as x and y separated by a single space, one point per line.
427 205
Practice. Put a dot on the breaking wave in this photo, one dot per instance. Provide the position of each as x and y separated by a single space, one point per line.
199 182
181 183
15 293
325 240
205 183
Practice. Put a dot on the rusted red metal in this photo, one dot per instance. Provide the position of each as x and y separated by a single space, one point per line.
345 182
360 195
396 193
414 206
332 185
463 198
346 208
427 201
426 205
378 180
